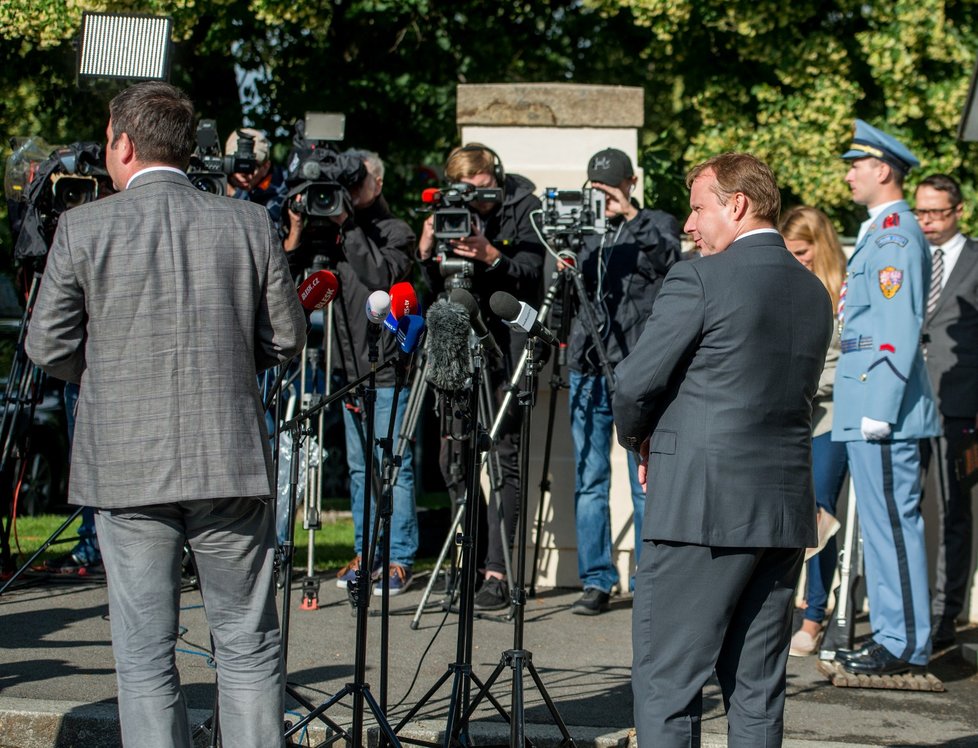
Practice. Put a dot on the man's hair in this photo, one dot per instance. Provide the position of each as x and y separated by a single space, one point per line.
742 172
159 120
944 183
371 159
466 161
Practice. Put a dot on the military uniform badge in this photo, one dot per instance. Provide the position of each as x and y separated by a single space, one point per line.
890 281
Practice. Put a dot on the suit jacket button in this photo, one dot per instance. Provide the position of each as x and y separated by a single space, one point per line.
863 377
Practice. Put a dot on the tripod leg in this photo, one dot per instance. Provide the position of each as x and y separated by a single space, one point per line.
47 543
445 548
550 703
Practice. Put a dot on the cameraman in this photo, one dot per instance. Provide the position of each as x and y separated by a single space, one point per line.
368 249
266 184
622 271
507 256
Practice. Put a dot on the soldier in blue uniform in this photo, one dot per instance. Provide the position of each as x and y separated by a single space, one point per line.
884 403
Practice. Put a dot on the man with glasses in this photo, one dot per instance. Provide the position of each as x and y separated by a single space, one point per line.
884 404
950 331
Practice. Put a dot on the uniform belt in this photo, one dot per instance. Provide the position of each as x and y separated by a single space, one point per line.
862 343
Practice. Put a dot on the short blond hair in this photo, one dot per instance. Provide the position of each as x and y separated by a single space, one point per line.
466 161
744 173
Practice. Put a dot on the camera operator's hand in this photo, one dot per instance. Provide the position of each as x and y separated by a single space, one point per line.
476 247
618 203
426 244
294 237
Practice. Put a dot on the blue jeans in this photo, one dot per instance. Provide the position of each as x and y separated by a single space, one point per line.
829 465
591 427
404 520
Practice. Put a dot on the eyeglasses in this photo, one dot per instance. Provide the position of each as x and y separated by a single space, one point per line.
934 213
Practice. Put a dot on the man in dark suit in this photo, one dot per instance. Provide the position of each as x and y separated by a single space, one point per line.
951 331
162 302
717 398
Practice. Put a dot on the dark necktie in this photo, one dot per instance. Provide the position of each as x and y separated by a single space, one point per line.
936 279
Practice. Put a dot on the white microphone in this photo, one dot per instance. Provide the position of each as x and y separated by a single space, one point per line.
378 307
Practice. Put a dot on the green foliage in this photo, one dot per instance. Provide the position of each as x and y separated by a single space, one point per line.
783 80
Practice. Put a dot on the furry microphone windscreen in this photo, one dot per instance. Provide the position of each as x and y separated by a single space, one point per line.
447 345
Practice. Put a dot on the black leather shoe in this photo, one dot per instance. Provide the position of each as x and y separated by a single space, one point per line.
592 602
844 655
877 661
943 633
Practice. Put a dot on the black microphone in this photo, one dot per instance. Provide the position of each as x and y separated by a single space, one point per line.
463 297
521 316
447 345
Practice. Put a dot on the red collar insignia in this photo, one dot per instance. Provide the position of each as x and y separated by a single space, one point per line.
891 220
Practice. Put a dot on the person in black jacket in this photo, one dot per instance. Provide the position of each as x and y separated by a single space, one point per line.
373 251
507 256
622 270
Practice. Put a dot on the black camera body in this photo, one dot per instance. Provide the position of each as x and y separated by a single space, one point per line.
209 169
574 211
70 176
452 211
319 176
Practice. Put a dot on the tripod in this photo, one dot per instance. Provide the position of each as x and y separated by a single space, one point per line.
358 688
840 630
519 659
460 671
559 282
19 400
484 402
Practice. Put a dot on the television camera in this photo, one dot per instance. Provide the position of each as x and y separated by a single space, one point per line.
41 182
209 169
568 215
318 175
454 218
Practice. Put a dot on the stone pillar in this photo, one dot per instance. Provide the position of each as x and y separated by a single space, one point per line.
547 132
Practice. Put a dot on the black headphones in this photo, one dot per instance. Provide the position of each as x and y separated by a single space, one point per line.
498 173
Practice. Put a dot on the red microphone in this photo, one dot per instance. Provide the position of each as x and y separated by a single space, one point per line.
430 195
316 291
404 301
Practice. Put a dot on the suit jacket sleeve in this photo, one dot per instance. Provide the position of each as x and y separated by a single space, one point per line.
670 334
280 325
896 324
57 332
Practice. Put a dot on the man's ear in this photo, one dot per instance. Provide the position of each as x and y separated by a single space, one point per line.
739 205
127 151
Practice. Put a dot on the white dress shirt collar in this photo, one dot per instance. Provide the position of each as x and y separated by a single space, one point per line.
154 168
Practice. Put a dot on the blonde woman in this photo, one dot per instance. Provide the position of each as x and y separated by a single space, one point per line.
811 238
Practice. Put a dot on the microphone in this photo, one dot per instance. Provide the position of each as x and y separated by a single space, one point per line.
378 306
410 328
316 291
521 316
430 195
447 345
463 297
403 301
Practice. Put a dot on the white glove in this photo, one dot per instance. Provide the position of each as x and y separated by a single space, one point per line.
873 430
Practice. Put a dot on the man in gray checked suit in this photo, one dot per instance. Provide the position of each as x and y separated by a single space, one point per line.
163 302
717 398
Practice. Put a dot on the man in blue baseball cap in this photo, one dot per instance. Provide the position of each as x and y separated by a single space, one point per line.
884 402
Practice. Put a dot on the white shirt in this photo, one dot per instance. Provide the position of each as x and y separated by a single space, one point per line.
874 213
155 168
952 251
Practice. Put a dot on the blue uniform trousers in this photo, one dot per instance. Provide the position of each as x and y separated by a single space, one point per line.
886 476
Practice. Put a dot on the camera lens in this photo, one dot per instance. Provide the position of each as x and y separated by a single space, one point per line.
323 200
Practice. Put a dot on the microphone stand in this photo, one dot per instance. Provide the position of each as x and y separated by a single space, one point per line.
460 671
519 659
361 586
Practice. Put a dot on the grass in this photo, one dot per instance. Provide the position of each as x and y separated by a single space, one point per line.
334 539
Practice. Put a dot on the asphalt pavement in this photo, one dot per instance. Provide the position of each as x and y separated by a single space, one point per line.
57 683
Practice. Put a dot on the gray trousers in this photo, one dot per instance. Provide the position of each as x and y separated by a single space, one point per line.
233 542
698 609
